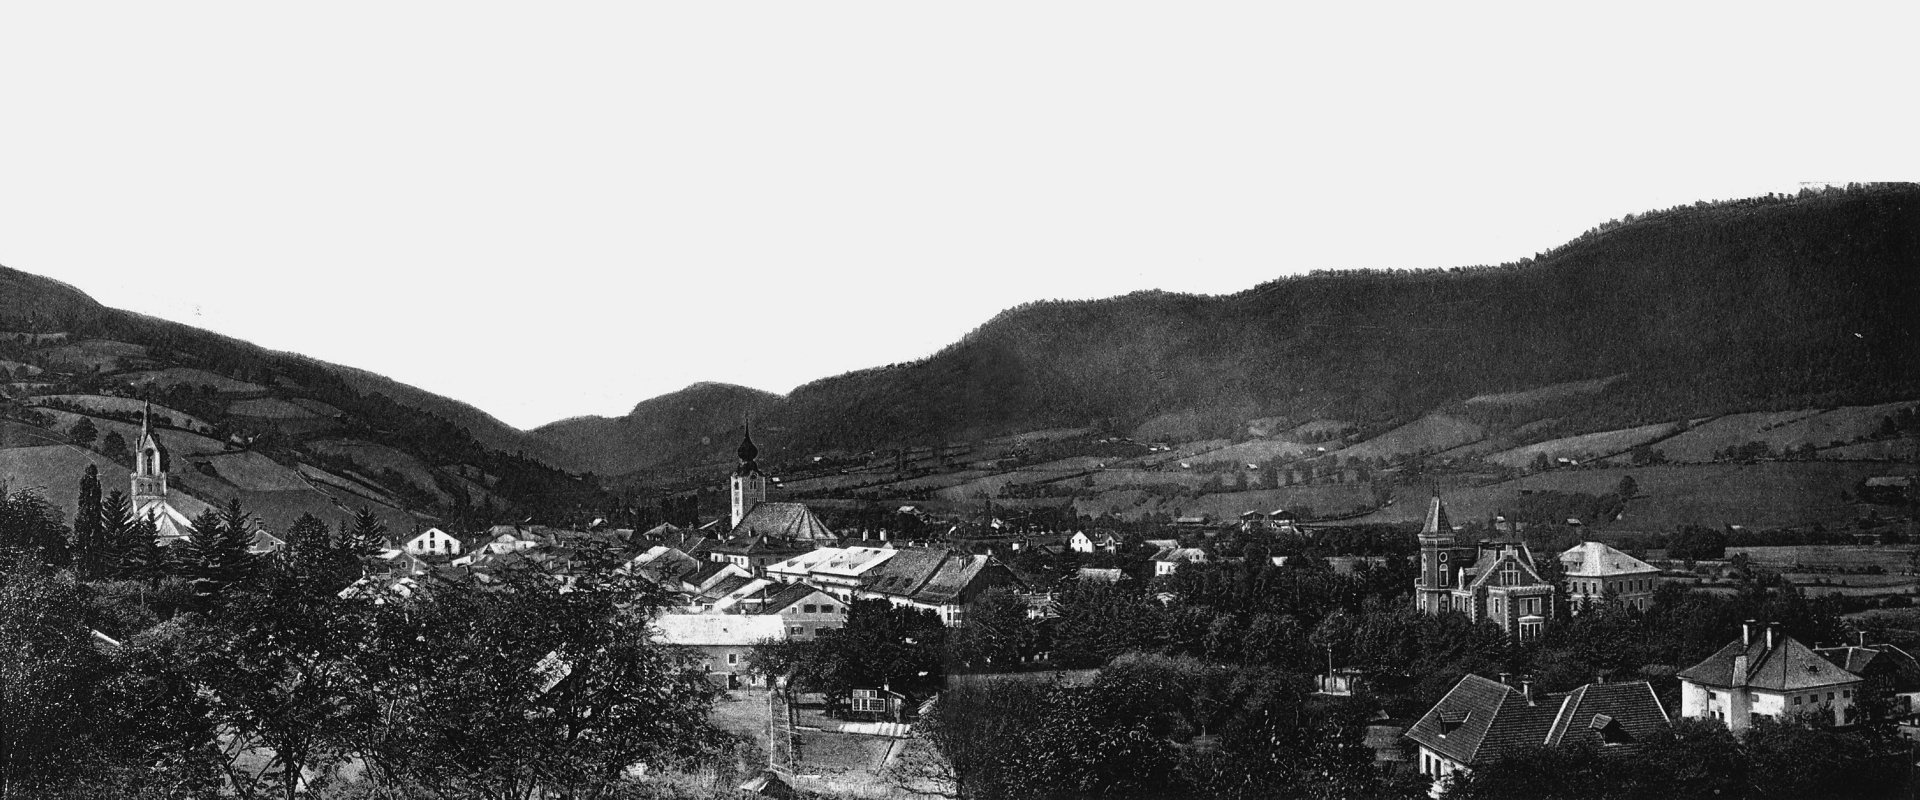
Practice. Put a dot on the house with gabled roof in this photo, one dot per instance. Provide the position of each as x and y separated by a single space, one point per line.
1889 675
805 610
1481 719
1170 559
433 541
940 580
1596 571
724 642
1767 674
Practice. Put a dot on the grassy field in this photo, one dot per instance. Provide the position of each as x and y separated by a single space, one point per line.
1255 452
1764 495
1893 559
375 457
1545 394
1701 443
1583 448
194 377
1429 434
1133 504
126 405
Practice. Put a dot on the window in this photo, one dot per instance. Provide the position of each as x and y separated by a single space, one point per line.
733 658
1846 692
1829 695
796 630
811 608
827 609
1796 700
1753 697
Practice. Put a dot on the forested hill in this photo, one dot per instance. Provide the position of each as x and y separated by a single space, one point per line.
283 433
1765 303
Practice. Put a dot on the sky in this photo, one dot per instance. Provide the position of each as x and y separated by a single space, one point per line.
557 209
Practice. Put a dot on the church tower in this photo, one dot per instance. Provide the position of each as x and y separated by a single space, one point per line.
1435 583
749 484
149 471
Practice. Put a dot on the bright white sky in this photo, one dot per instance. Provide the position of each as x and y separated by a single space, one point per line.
554 209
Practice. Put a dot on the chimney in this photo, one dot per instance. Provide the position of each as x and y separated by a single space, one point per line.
1770 627
1526 689
1740 670
1863 638
1504 678
1746 633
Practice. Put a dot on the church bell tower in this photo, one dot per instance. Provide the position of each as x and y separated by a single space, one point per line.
149 470
749 485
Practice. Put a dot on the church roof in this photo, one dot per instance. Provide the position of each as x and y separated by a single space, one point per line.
791 521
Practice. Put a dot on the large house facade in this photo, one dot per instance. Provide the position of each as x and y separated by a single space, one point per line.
1767 674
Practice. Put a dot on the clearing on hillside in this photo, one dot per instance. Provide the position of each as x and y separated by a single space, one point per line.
1429 434
1585 447
1545 394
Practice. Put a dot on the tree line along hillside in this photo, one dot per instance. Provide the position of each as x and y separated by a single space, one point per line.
40 314
1769 303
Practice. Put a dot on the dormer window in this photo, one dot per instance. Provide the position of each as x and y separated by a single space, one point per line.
1451 721
1609 730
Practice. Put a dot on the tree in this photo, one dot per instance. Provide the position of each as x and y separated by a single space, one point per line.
83 432
31 528
217 557
314 560
115 446
525 689
89 543
1628 488
368 536
141 556
75 722
116 517
881 645
997 631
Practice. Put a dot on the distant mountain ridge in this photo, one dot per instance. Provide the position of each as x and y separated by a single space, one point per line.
283 433
1747 305
681 425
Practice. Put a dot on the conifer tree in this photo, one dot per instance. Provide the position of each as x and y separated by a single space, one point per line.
116 519
89 546
141 557
216 558
368 537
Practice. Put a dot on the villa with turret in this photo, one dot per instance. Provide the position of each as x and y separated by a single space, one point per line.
1495 581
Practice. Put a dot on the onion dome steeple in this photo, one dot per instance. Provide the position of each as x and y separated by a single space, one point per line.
748 452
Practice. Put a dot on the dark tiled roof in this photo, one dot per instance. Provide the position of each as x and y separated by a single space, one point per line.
1788 666
792 593
951 580
909 569
791 521
1588 711
1488 717
759 545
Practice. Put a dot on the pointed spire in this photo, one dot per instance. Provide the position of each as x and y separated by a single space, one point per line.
1437 523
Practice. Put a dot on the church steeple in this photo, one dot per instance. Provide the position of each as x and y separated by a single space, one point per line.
748 485
748 452
150 467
